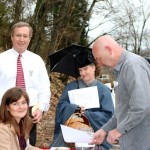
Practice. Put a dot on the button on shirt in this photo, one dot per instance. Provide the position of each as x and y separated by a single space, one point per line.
35 74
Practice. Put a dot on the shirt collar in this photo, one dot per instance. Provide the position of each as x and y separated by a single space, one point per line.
16 53
121 61
82 84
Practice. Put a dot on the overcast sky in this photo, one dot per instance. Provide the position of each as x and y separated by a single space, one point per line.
96 18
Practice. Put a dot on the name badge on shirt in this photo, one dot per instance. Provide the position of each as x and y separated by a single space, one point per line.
115 84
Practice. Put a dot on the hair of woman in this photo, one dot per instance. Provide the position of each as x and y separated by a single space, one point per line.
25 125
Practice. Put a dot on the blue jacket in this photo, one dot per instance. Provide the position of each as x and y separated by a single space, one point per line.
96 116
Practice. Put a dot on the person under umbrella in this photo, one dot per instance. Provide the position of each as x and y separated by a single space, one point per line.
96 116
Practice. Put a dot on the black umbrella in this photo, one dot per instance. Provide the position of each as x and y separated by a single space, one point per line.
64 60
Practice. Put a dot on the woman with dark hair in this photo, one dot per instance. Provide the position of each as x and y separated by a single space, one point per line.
15 123
97 117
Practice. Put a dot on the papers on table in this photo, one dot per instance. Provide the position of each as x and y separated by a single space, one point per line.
86 97
71 135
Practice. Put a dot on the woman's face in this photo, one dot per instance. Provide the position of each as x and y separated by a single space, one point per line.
87 73
18 109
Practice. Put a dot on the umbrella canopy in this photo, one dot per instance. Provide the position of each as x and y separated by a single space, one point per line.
64 60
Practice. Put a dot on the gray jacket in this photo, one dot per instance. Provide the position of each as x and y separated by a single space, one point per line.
132 114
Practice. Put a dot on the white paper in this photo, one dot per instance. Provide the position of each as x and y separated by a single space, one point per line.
71 135
84 145
86 97
58 148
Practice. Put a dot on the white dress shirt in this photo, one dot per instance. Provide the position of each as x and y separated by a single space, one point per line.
35 74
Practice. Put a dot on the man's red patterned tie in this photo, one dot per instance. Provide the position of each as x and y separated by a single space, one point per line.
20 75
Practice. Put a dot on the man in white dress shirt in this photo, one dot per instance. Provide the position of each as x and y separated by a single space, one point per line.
37 82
